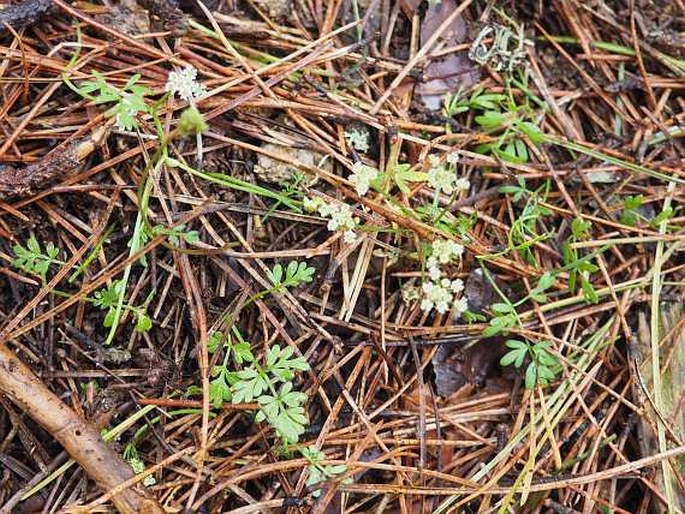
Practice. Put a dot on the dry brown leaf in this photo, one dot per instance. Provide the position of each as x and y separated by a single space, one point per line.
455 70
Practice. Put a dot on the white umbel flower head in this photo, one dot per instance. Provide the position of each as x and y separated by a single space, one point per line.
435 296
341 218
453 157
434 270
461 306
327 209
349 236
185 84
441 296
456 286
340 215
462 184
444 250
443 178
361 177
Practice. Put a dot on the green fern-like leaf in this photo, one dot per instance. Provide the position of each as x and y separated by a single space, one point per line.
32 259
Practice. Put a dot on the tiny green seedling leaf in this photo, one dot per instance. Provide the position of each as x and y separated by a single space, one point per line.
317 472
128 101
661 217
532 131
108 297
214 341
580 228
517 190
251 384
543 366
296 273
143 322
32 259
491 120
502 308
402 173
632 202
588 290
629 216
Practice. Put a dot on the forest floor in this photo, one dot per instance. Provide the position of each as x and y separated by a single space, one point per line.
342 256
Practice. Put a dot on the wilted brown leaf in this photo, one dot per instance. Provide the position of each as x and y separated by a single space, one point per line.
455 70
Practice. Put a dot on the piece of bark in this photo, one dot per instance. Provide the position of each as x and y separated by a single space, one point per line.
25 14
169 15
18 182
80 439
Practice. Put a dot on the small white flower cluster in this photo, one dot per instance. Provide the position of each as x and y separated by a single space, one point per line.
441 296
361 177
443 178
340 215
185 84
441 293
443 251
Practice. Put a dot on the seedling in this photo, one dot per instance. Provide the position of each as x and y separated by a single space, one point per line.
499 116
511 126
175 234
517 191
317 472
505 312
543 366
108 298
296 273
454 104
579 268
32 259
270 384
128 101
522 233
130 455
630 214
664 215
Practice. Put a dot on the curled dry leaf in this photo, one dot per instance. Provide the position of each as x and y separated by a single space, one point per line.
453 71
455 365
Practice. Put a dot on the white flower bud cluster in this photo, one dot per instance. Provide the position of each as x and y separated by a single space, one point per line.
442 294
185 84
340 215
444 178
361 177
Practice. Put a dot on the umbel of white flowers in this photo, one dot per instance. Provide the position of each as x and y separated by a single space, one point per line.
443 178
340 215
442 294
184 84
